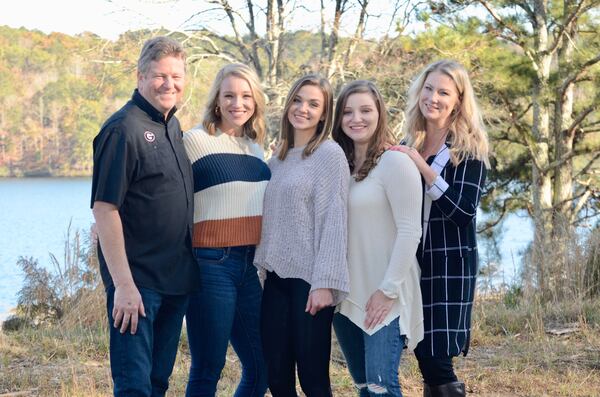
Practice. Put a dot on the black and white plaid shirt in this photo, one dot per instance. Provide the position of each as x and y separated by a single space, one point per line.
448 259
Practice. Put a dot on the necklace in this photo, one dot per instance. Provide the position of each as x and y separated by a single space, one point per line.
432 150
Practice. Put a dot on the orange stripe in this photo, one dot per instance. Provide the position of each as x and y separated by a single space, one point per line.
227 232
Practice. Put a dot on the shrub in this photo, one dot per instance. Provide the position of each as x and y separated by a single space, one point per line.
46 296
15 323
571 270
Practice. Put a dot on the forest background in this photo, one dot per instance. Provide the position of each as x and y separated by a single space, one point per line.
535 65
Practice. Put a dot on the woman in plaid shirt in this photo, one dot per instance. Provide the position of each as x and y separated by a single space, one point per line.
445 138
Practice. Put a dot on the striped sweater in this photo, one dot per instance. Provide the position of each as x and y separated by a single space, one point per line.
230 178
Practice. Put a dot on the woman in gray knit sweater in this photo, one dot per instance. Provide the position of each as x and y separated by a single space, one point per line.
303 243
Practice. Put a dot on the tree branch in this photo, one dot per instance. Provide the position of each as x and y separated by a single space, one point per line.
566 25
528 140
503 211
580 70
580 204
500 21
581 117
589 165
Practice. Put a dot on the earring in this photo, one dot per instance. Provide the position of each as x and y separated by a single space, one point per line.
217 110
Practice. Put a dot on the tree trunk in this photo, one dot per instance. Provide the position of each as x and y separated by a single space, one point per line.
273 41
358 33
563 139
340 8
255 39
324 45
541 186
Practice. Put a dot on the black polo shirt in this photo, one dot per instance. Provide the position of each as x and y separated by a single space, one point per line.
140 165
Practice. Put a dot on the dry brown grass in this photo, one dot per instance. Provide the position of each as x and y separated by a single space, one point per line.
511 355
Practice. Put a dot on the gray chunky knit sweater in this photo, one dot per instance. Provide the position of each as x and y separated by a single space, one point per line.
304 229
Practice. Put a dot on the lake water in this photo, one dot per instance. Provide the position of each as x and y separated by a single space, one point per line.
35 214
34 217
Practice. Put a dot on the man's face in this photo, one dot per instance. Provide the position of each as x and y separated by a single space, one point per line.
162 85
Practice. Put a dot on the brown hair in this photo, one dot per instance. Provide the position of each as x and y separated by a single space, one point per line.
380 139
158 48
323 127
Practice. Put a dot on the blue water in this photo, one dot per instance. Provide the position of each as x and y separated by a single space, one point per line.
35 214
34 217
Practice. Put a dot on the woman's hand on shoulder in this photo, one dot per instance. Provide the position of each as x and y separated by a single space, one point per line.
319 299
378 307
428 173
410 151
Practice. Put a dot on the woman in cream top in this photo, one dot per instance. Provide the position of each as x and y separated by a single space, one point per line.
383 311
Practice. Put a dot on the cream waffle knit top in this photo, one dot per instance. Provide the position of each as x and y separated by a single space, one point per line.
384 229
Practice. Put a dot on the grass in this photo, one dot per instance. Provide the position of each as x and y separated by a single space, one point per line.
511 355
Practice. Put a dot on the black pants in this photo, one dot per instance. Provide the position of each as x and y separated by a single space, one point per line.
436 370
293 337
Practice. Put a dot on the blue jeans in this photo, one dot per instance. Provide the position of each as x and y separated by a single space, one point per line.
142 363
372 360
225 308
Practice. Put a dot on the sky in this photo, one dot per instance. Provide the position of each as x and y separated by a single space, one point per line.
105 18
108 18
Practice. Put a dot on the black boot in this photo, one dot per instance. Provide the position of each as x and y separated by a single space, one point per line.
426 390
452 389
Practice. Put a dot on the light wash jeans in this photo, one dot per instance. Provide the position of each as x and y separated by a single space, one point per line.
372 360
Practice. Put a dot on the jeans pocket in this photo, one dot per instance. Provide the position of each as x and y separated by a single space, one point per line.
210 255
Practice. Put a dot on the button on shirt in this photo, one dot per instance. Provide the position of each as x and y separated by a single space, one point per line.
141 167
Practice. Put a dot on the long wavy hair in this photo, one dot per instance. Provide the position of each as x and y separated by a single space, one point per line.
382 137
466 133
286 136
255 128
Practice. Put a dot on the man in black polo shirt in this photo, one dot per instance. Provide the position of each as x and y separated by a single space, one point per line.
142 200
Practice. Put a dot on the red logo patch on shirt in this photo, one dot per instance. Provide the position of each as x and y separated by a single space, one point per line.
149 136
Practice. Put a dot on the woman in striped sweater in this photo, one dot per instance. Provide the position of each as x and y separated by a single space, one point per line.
230 178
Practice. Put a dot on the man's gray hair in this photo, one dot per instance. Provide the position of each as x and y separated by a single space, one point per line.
157 48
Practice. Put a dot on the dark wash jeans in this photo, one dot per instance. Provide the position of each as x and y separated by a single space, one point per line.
372 360
293 337
142 363
225 308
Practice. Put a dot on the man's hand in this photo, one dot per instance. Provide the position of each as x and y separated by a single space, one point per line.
94 233
318 299
377 309
127 304
127 307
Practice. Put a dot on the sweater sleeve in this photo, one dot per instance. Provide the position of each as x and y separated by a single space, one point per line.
459 201
332 176
402 184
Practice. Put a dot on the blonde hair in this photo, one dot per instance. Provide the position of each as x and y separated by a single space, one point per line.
323 127
382 136
466 133
255 128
